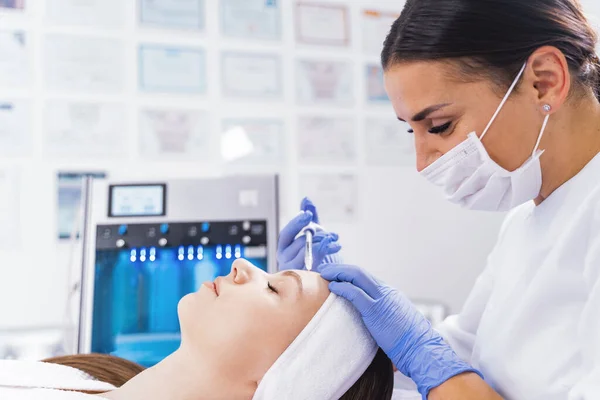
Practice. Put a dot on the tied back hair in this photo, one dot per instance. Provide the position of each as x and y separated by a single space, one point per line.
491 39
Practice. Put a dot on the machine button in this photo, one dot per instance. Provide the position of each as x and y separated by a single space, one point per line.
120 243
122 230
258 229
193 231
162 242
233 230
151 232
164 229
204 241
246 239
205 227
246 226
106 234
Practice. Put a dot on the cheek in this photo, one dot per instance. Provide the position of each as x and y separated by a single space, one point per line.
512 136
242 319
251 334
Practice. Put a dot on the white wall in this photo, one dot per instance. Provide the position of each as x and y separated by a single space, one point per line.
404 232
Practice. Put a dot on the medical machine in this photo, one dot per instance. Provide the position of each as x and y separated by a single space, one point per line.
148 244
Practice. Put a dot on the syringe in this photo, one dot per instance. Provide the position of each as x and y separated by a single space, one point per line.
308 251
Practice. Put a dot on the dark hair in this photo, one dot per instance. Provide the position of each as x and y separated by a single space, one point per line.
493 38
377 383
105 368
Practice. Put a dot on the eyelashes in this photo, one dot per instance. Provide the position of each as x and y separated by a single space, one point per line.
272 288
436 130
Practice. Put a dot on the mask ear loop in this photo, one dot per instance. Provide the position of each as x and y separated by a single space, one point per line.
537 144
512 87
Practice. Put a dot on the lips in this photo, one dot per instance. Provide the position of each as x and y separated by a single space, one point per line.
216 286
212 286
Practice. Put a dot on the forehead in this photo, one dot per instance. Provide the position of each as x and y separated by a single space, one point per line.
314 285
416 85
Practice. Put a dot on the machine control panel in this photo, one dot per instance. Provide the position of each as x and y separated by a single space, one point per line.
247 233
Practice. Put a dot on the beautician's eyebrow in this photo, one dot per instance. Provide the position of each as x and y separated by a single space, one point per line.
296 277
421 115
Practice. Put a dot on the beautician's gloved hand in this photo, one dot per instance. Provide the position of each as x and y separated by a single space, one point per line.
406 336
290 250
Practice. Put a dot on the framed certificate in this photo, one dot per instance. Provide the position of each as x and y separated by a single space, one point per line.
174 134
251 19
16 136
81 129
326 141
335 193
324 82
15 59
375 26
249 75
322 24
387 143
110 14
172 69
82 64
174 14
265 135
374 81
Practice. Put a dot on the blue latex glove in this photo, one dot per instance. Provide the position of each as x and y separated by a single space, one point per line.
406 336
290 251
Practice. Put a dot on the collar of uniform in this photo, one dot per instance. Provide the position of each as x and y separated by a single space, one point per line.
574 191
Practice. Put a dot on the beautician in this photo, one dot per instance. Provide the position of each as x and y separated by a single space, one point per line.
502 99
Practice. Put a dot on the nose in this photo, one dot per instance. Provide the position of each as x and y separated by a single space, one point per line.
241 271
426 152
425 160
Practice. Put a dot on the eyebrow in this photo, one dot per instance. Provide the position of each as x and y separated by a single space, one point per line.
296 277
421 115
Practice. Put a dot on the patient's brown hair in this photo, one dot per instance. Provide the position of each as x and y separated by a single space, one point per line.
377 383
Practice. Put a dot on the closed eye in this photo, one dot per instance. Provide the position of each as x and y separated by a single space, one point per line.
272 288
436 130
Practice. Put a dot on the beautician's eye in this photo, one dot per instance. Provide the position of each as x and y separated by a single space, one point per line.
436 130
411 131
272 288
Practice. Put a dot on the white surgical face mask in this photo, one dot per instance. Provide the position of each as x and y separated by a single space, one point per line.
469 176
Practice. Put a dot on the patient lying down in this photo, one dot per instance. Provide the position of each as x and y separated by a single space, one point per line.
252 335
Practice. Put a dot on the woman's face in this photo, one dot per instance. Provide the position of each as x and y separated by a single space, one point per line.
442 111
247 319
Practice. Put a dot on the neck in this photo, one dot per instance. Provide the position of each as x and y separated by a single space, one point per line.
572 144
182 376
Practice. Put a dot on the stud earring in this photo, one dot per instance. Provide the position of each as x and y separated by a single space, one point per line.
547 108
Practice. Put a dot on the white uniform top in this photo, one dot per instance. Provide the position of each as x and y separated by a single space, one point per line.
531 324
32 380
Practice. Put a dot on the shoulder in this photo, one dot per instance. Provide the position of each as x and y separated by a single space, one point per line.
592 258
589 194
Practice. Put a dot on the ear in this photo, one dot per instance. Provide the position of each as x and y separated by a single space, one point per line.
549 73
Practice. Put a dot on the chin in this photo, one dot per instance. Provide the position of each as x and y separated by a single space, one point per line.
190 304
193 312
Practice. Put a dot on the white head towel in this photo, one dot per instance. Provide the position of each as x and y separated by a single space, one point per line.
325 360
